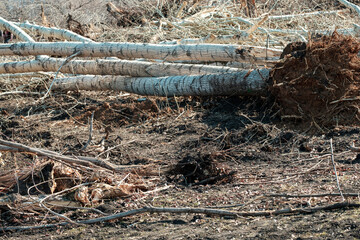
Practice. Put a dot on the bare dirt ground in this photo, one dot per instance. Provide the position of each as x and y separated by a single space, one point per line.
189 142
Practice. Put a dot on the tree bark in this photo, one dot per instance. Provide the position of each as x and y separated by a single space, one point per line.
112 67
200 52
251 82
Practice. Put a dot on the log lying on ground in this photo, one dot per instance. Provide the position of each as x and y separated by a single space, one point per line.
351 5
200 52
112 67
251 82
6 25
53 32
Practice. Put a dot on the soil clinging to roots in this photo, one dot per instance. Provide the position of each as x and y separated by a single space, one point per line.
318 83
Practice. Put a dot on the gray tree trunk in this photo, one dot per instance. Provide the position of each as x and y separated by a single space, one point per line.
240 83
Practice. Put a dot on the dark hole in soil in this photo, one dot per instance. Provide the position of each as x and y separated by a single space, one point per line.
200 169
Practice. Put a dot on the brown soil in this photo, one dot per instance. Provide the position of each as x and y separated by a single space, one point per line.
192 140
227 153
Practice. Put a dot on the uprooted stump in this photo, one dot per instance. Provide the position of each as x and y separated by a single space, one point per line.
318 83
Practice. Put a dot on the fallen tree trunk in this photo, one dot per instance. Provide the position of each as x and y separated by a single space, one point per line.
199 52
53 32
11 27
112 67
251 82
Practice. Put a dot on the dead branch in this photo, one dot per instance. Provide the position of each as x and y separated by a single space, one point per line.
90 132
11 27
342 205
80 160
53 32
306 14
311 195
334 167
224 39
19 92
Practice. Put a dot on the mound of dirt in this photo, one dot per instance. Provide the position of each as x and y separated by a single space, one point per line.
318 83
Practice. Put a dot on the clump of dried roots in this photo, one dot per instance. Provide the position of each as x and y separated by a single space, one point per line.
318 83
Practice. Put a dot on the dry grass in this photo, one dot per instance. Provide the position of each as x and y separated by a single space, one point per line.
156 21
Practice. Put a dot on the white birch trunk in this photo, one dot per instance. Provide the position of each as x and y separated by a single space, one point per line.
351 5
11 27
241 83
200 52
112 67
53 32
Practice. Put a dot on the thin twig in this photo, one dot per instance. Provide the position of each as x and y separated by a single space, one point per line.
336 176
84 161
19 92
353 148
67 60
90 132
312 195
112 148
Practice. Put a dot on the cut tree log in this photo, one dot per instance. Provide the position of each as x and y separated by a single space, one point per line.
200 52
252 82
112 67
